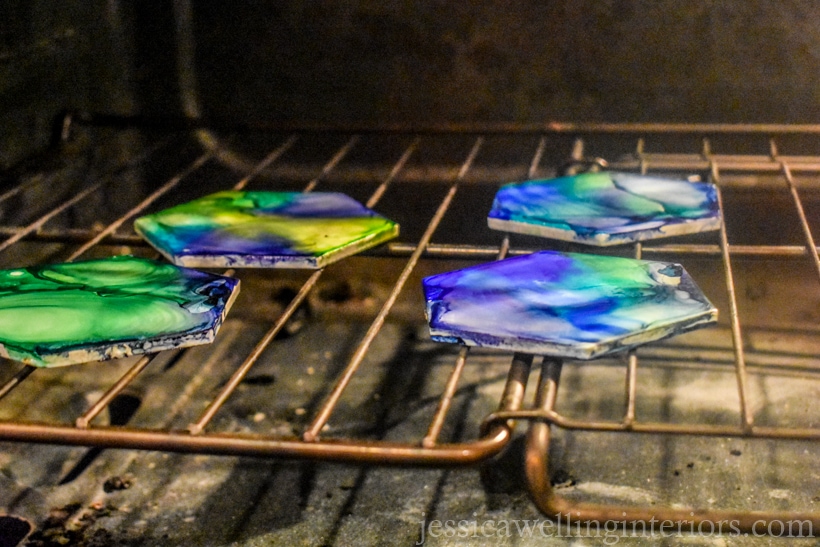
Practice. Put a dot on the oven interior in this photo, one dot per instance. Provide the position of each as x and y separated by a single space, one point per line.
323 414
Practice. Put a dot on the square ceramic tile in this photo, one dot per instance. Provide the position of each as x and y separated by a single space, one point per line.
104 309
565 305
606 208
265 229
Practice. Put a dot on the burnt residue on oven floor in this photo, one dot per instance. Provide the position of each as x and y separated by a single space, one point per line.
110 497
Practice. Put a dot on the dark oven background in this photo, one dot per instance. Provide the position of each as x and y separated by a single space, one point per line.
374 61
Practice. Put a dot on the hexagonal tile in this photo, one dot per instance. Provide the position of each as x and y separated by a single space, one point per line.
265 229
565 305
104 309
606 208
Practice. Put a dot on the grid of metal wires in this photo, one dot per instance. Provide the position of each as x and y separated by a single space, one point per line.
498 428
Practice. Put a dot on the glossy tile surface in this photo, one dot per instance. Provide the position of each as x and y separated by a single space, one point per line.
104 309
566 305
606 208
265 229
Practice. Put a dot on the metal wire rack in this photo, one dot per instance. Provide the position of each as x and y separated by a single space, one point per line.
633 151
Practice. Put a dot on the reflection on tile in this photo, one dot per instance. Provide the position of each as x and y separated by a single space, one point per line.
265 229
103 309
565 305
606 208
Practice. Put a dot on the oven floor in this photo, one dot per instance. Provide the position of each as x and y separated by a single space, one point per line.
116 497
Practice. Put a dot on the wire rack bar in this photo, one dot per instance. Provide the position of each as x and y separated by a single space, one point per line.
168 186
478 252
552 504
632 370
486 128
746 416
312 433
445 402
655 428
444 250
51 214
197 427
85 419
40 222
740 164
100 404
213 407
544 415
11 192
155 195
801 214
72 235
238 444
394 172
331 165
15 380
27 370
631 383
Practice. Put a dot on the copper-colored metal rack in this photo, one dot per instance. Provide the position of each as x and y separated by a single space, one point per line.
636 143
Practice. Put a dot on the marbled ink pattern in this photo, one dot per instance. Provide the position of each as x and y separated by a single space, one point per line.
564 304
265 229
606 208
102 309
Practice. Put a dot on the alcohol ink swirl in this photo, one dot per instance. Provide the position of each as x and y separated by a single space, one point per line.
606 208
563 304
265 229
101 309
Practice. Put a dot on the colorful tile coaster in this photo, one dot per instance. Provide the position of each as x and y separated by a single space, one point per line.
104 309
265 229
565 305
606 208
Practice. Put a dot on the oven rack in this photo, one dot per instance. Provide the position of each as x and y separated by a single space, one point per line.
497 429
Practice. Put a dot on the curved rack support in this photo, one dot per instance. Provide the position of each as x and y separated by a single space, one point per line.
632 518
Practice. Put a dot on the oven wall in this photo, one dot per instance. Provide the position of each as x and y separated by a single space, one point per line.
374 61
630 60
57 56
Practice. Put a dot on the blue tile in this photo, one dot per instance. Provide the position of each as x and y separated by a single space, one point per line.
606 208
564 304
